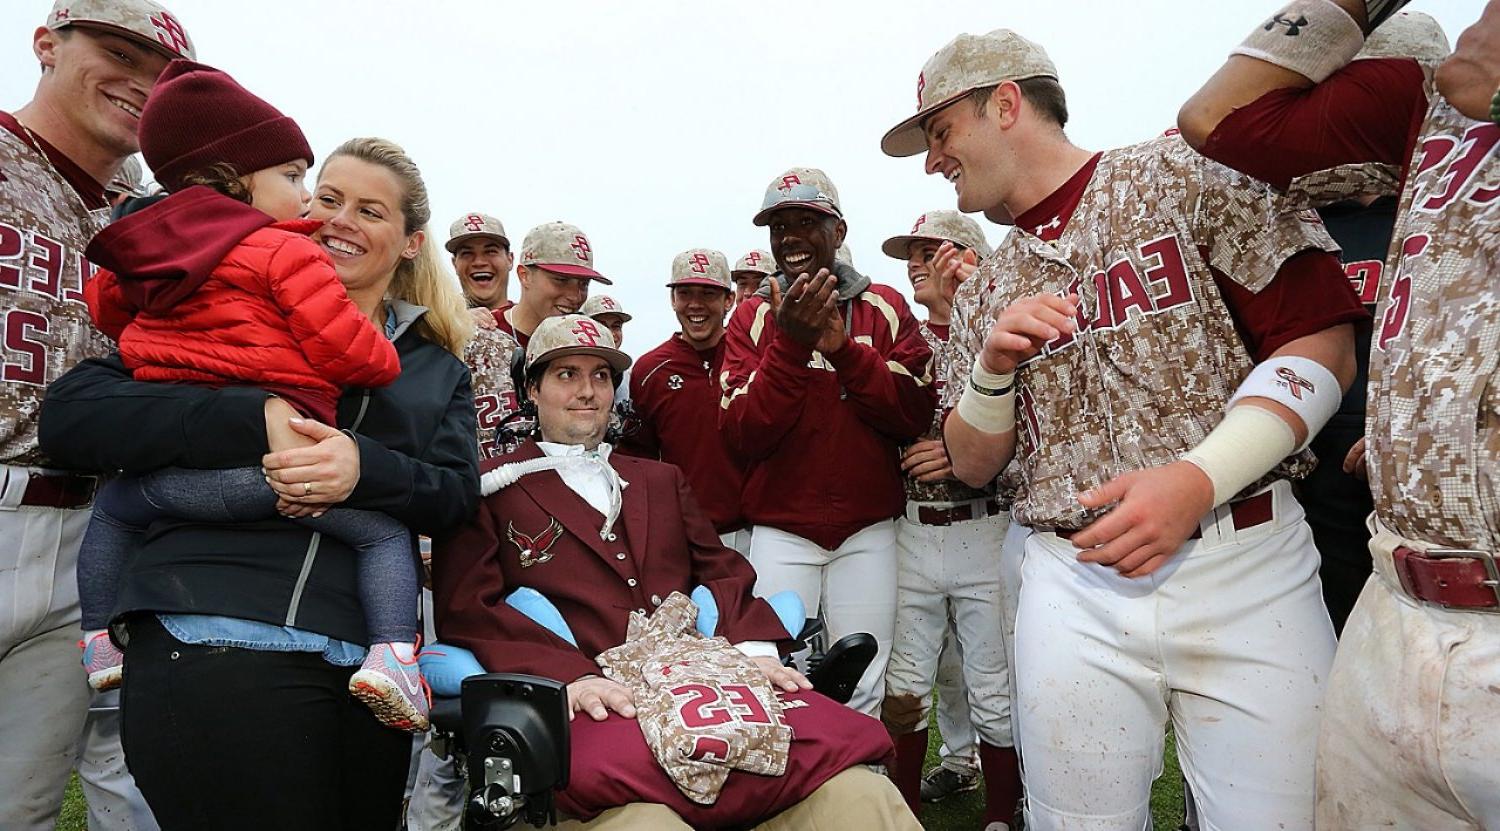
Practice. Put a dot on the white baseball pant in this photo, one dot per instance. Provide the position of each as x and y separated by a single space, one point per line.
1012 554
1410 729
952 573
115 803
1230 639
44 692
854 587
960 748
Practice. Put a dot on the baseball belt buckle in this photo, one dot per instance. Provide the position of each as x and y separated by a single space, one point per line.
1491 570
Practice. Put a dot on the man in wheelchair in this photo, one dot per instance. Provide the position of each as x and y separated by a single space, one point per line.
575 552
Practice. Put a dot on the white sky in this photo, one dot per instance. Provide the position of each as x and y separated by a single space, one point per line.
655 125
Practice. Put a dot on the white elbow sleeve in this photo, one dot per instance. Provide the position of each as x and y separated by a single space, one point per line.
1313 38
1247 443
1300 384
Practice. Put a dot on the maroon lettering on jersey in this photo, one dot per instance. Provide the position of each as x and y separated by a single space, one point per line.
21 328
1463 157
1365 275
12 245
47 258
1394 322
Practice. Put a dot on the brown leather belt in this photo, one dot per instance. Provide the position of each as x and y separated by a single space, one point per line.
1454 578
1245 513
58 490
958 513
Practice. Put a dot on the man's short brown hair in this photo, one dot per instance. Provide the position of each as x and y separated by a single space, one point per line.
1044 94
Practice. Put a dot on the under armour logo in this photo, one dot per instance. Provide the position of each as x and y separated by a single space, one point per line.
921 85
587 332
1293 27
170 32
1055 223
753 258
581 245
699 263
1294 382
921 220
474 222
788 181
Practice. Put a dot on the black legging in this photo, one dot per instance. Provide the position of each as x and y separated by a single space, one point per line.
229 738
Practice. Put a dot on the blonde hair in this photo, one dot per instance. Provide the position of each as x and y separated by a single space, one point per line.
421 280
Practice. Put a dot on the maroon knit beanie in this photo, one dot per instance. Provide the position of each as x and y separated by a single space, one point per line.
197 116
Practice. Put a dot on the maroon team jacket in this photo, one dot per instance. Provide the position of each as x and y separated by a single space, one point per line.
822 433
539 533
675 391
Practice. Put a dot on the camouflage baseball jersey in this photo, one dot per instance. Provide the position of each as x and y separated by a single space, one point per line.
45 330
703 707
1156 355
488 357
1434 407
952 490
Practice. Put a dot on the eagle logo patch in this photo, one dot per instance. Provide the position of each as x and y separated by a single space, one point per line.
534 549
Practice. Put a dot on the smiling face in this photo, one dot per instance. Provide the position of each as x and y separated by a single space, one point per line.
364 230
804 240
700 312
573 396
968 148
546 293
483 267
925 290
280 191
97 81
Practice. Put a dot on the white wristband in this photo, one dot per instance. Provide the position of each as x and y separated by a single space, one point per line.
983 378
1300 384
1313 38
993 414
1244 447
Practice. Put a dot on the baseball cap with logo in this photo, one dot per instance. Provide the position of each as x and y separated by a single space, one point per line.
1407 35
703 267
758 261
800 187
562 335
603 304
129 179
939 226
967 63
140 20
560 247
473 225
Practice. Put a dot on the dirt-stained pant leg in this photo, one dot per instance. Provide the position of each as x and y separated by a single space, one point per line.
854 586
44 692
1230 639
960 747
1410 731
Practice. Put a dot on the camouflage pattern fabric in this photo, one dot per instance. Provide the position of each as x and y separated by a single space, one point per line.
45 328
703 707
1157 355
488 357
952 490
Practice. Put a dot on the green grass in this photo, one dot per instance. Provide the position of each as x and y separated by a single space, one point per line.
959 813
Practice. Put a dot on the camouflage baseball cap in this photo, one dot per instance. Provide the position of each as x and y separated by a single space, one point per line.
139 20
560 247
473 225
576 334
967 63
800 187
758 261
1408 35
129 179
603 304
702 267
939 226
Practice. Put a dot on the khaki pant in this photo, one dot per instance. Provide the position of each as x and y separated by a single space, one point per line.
857 798
1411 724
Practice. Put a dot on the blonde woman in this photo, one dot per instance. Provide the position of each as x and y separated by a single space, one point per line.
242 638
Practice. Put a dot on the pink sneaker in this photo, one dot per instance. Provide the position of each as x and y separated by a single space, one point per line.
104 663
392 688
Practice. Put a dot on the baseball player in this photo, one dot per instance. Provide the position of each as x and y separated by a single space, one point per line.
675 393
1409 731
1165 384
608 311
948 566
56 154
750 271
825 375
482 260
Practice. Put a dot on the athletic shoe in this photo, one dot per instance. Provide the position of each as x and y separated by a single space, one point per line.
941 783
393 689
104 663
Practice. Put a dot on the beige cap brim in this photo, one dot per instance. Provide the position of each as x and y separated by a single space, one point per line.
900 247
453 244
617 360
128 34
624 318
907 138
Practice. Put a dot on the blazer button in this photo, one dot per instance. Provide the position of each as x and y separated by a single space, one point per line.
655 600
620 556
630 582
611 537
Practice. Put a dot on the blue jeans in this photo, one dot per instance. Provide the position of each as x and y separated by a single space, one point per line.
125 507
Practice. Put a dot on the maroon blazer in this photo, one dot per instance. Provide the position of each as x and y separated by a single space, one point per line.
539 533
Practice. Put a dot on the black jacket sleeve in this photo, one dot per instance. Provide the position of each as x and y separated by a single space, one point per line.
96 417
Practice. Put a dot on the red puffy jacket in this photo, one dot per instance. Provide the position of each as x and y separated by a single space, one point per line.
204 289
